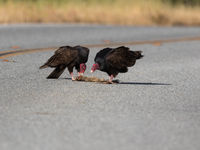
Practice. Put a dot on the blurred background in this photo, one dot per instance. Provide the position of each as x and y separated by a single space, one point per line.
123 12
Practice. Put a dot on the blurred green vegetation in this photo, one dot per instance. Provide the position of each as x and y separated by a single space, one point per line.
184 2
126 12
172 2
62 1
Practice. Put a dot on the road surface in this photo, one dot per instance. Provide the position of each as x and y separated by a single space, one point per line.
156 106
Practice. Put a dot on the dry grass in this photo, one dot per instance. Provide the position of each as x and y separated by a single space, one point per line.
137 13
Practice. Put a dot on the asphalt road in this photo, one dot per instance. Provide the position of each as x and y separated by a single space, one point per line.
156 106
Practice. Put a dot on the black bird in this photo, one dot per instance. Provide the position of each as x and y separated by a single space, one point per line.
115 60
70 57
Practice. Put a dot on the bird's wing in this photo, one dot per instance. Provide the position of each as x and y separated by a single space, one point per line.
83 53
102 53
117 57
62 48
62 56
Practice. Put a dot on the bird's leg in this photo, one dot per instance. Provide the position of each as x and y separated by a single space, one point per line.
70 69
78 70
111 78
71 73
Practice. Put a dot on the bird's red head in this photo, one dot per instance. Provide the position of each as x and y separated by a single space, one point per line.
94 67
82 68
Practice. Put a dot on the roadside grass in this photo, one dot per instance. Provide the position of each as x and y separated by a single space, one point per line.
129 12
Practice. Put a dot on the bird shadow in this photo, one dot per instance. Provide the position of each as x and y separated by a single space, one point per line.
143 83
66 78
130 83
59 78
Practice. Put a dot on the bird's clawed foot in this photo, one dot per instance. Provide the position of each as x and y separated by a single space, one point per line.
73 79
110 80
79 76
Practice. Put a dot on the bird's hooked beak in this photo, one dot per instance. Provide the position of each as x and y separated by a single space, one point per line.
94 67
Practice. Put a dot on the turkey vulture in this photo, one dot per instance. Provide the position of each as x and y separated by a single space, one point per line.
115 60
70 57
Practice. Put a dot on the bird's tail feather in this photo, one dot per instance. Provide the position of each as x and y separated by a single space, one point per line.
44 66
49 62
138 54
56 72
132 56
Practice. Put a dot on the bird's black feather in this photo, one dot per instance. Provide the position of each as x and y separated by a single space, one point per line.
116 60
66 56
